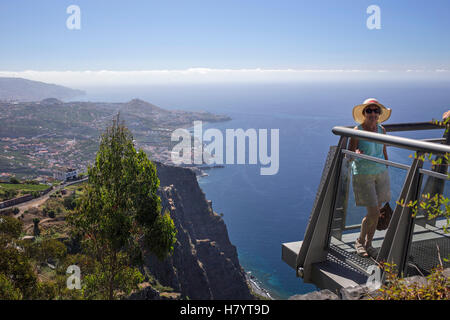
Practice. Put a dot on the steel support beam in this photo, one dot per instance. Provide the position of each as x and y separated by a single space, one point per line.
314 247
397 240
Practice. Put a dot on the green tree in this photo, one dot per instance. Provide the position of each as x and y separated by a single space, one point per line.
51 213
17 279
36 230
7 289
10 194
10 227
118 213
18 270
70 202
42 250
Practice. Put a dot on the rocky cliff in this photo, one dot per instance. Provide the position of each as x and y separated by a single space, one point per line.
204 264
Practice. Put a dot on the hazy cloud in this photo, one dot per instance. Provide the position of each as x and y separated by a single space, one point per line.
89 78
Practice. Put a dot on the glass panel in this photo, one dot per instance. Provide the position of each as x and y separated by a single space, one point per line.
373 183
429 234
355 213
403 156
432 188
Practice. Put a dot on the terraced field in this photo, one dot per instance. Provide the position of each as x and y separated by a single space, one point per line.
17 190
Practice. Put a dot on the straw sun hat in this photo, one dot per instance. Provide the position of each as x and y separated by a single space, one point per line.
358 111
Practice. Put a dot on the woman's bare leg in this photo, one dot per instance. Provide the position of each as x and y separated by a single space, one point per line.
368 226
373 228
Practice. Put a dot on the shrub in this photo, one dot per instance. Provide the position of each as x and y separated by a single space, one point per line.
10 194
14 180
15 266
10 226
36 231
44 250
437 286
7 289
69 202
51 214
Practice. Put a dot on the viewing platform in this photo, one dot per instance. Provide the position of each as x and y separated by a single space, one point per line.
416 243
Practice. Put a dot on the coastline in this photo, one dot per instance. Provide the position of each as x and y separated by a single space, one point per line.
256 286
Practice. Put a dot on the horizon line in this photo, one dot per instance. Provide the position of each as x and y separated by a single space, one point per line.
89 78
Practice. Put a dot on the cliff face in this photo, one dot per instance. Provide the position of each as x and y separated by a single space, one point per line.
204 264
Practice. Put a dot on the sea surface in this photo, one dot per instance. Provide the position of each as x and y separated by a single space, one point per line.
262 212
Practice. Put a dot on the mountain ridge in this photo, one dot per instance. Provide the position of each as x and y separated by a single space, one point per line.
25 90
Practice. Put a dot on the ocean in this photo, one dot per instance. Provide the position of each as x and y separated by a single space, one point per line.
262 212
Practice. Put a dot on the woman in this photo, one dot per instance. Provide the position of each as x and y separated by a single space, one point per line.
370 179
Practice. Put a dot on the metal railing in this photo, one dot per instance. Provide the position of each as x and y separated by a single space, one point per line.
397 239
401 142
375 159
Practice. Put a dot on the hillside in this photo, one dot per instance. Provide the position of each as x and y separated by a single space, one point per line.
18 89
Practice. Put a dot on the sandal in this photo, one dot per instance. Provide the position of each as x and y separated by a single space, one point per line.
360 250
372 252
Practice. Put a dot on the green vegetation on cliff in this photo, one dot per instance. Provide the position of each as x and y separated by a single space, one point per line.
111 219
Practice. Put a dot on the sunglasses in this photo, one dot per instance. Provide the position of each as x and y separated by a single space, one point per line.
369 111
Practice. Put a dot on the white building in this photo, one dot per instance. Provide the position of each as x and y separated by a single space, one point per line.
66 175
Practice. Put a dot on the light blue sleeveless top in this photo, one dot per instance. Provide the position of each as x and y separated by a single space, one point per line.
363 166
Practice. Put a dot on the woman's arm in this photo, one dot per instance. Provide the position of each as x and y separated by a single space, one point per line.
353 144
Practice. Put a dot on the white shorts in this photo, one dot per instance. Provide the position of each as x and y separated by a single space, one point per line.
371 189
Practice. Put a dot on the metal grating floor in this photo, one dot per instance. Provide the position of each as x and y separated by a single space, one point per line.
350 259
424 255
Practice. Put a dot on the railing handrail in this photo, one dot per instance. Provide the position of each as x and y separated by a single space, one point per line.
375 159
410 126
401 142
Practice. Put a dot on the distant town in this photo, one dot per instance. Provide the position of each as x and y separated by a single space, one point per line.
42 140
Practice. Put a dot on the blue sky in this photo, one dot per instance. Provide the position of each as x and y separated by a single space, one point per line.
226 34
